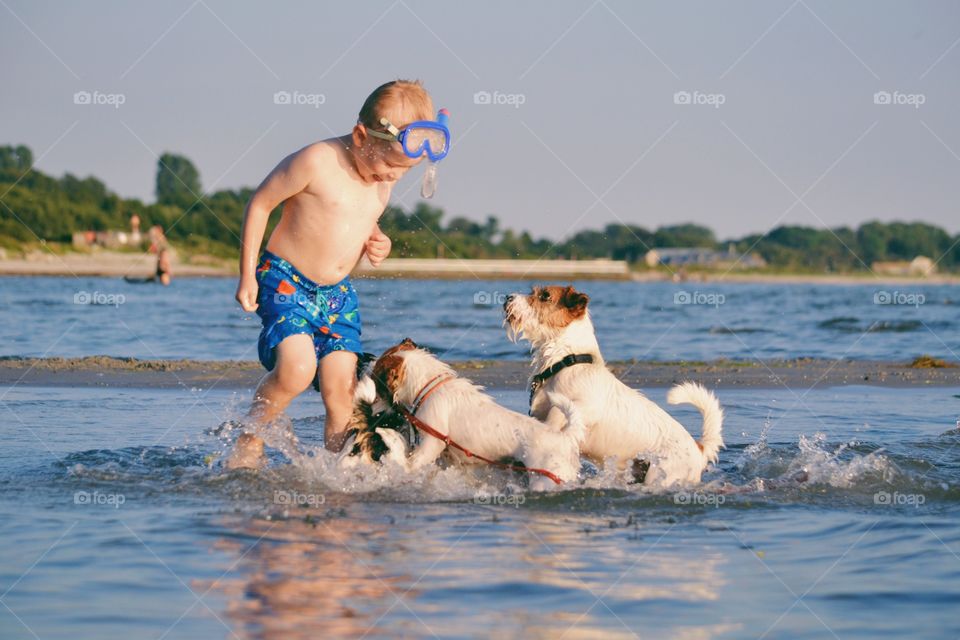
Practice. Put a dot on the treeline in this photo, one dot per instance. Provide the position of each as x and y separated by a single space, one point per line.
39 207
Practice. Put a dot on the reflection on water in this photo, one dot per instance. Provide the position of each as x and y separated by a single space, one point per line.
354 576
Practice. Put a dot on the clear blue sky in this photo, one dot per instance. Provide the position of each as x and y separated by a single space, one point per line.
598 138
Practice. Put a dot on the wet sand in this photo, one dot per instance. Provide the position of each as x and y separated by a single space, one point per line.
102 371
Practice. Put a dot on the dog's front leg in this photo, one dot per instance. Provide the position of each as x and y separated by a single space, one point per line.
426 452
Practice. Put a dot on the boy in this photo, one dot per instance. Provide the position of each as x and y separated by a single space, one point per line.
333 193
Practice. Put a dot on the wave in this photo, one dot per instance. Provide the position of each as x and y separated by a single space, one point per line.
811 471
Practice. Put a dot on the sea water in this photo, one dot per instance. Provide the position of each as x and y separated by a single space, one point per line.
833 512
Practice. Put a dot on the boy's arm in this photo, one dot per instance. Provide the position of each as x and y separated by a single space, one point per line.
289 178
377 246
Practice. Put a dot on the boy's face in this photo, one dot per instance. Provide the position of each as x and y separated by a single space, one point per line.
381 160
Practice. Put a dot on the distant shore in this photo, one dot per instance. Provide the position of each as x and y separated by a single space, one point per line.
120 264
798 374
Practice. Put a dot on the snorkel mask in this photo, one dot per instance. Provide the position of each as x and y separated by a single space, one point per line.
423 137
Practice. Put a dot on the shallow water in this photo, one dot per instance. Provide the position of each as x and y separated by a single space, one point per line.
833 512
198 318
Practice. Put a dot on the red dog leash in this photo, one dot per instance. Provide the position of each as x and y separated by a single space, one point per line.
427 429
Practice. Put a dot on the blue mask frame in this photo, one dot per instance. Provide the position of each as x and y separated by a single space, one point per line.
424 147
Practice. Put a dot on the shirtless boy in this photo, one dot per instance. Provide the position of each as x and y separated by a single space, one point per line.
333 193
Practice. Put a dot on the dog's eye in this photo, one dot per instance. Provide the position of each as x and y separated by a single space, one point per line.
544 296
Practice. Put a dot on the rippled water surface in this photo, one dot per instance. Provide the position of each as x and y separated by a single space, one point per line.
198 318
831 513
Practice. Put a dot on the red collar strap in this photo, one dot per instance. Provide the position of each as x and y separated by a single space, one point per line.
432 385
430 431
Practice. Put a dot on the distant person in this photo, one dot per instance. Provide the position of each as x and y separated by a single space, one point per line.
333 192
158 244
162 274
135 235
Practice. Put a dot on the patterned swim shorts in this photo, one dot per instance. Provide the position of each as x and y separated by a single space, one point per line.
290 303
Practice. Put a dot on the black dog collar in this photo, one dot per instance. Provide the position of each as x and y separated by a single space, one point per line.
554 369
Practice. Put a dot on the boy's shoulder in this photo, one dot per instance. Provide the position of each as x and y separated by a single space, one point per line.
318 153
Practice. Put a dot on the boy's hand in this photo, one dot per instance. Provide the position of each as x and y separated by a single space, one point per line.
378 247
247 293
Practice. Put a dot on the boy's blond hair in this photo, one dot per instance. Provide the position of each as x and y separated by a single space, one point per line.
407 97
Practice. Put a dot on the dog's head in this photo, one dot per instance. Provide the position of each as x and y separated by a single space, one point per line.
403 369
544 313
374 423
388 371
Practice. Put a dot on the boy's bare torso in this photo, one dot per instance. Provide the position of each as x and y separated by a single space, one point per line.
323 228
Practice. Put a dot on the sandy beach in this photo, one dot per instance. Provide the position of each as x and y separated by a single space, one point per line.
119 264
102 371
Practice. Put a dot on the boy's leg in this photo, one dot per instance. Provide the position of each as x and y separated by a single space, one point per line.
338 378
294 371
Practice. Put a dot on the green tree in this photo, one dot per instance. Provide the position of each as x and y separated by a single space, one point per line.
178 181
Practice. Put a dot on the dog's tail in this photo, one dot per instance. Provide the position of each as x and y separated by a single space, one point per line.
692 393
575 426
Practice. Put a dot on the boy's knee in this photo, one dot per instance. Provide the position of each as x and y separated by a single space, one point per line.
295 375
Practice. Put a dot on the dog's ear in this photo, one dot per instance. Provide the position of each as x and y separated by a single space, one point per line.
408 343
388 375
575 301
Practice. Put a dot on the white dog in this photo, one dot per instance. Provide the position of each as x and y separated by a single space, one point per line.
378 434
621 422
460 410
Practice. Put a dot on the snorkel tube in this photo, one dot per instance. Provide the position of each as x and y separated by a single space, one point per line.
429 185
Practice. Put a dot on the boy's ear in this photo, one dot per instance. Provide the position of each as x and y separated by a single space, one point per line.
359 134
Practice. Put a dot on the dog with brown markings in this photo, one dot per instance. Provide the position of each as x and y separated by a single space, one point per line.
621 422
458 409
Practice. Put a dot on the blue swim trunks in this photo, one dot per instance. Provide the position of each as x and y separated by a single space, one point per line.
290 303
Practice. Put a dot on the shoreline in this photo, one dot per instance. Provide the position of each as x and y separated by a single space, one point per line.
118 264
804 373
